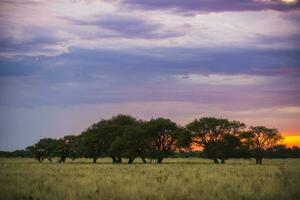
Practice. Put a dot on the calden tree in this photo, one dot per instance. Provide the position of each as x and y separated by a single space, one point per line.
68 146
163 136
94 141
260 139
44 148
133 143
218 137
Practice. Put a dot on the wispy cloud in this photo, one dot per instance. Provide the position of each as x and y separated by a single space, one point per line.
220 79
194 6
127 27
27 28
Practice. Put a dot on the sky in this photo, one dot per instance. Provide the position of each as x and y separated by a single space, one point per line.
65 64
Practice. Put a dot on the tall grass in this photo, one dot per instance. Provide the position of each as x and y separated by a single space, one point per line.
175 179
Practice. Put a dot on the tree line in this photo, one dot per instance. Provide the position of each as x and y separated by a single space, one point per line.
125 137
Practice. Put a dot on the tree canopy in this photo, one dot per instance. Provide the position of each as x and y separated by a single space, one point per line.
125 137
260 139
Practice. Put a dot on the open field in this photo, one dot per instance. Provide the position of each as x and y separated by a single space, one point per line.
180 178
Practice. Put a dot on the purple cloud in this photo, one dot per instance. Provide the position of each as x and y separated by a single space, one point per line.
34 40
214 5
128 27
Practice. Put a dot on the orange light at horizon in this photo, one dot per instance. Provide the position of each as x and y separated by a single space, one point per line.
196 147
292 140
288 140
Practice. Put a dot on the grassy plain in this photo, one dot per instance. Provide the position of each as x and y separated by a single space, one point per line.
180 178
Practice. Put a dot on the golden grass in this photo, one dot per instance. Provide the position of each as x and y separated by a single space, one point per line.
186 178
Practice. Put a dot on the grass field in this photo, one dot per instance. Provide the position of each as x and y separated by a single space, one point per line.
184 178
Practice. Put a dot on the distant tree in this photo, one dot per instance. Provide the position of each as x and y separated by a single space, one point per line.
219 138
105 138
278 151
183 139
122 124
294 152
227 147
16 153
45 148
67 147
282 151
163 138
94 141
123 136
5 154
260 139
76 147
230 142
132 144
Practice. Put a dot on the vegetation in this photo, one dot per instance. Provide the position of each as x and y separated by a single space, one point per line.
260 139
125 137
219 138
176 178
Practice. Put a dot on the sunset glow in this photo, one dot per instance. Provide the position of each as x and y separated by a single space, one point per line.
290 141
293 140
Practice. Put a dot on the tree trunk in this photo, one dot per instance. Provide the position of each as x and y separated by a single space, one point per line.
159 160
259 161
62 159
114 160
119 159
144 160
95 160
131 159
216 161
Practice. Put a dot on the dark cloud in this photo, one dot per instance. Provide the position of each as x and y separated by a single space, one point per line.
128 27
288 41
32 39
213 5
35 93
105 76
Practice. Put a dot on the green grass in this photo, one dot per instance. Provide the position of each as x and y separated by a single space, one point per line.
184 178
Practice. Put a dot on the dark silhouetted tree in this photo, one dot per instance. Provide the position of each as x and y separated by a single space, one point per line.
67 147
105 138
230 143
120 124
219 138
95 141
183 139
132 144
260 139
45 148
163 138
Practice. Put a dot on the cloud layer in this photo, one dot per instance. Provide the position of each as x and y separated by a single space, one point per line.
190 6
